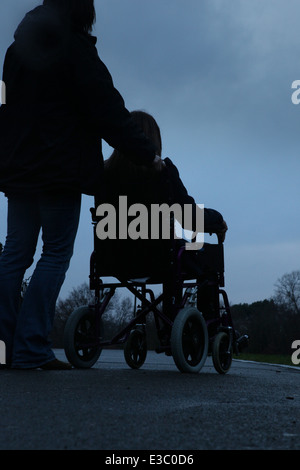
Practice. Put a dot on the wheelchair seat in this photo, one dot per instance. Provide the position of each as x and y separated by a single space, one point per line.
154 261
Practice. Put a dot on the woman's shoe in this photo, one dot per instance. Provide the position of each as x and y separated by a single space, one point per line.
55 364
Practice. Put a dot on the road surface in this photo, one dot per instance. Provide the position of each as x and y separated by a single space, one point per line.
112 407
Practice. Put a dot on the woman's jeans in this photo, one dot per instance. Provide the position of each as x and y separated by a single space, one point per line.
25 326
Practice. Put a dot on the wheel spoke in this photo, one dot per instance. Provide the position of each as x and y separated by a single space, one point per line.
83 335
192 342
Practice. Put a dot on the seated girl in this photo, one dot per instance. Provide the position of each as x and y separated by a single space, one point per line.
142 185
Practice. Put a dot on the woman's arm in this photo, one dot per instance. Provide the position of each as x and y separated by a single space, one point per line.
101 105
213 220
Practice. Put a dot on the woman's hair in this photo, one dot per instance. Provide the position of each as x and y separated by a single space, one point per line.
81 12
121 166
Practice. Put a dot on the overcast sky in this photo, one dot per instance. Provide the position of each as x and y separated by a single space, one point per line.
217 76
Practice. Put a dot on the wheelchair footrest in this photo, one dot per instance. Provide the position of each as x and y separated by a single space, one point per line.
242 343
164 349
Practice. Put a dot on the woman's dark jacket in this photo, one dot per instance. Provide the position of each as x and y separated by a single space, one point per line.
61 102
130 257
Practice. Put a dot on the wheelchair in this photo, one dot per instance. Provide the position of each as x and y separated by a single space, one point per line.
193 328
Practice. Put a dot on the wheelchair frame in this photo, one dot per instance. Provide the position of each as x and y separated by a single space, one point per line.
190 340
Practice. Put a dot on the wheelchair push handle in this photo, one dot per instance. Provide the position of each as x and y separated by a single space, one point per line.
220 232
221 238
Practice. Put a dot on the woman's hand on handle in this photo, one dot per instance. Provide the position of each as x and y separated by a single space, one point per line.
158 163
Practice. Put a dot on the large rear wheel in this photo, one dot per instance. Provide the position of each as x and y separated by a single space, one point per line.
189 340
80 342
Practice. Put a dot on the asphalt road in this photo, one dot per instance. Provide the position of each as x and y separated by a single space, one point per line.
112 407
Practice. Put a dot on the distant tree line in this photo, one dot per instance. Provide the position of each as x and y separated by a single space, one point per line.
271 328
272 325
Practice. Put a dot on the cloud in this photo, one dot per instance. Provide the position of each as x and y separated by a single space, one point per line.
217 75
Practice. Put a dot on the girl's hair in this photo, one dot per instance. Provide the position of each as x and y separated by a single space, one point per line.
81 12
123 168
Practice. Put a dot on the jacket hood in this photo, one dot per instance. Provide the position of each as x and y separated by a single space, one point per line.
36 19
41 38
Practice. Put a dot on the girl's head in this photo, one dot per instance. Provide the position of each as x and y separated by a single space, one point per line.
125 168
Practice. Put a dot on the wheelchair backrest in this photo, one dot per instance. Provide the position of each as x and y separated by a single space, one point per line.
133 257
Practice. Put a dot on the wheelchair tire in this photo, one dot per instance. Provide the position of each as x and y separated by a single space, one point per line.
80 327
222 358
135 350
189 340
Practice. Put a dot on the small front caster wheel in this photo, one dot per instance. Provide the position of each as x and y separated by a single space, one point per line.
222 353
135 350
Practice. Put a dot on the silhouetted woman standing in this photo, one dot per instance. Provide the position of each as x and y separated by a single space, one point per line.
61 102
